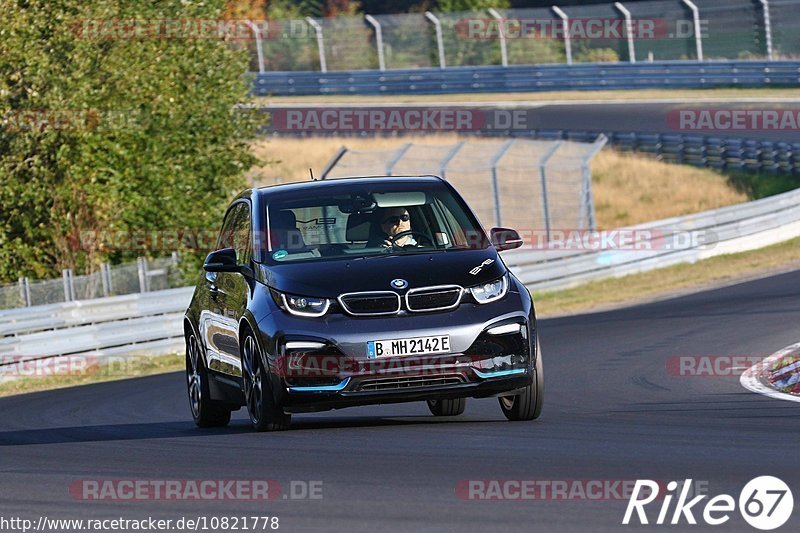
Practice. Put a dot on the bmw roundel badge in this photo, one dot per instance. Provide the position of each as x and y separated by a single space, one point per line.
399 284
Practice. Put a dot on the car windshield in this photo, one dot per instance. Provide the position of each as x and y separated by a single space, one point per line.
360 220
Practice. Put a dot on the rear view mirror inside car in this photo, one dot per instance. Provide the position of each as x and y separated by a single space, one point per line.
399 199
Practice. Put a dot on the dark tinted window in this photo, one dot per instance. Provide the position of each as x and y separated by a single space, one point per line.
236 232
355 220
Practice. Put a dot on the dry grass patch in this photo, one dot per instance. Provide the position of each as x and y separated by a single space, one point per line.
133 367
292 157
631 189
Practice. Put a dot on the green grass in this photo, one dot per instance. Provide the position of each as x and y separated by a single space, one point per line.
761 184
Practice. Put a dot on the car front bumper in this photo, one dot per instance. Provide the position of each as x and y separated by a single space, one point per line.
320 364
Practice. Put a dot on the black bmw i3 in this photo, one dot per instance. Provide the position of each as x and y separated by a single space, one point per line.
357 291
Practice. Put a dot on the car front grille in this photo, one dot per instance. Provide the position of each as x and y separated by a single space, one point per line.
370 303
433 298
399 383
419 300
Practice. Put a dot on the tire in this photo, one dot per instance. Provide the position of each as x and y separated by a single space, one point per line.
528 404
205 412
265 414
447 407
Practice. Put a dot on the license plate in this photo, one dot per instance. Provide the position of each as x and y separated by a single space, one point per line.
409 346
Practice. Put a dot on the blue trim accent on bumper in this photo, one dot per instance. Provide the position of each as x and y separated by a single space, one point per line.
499 373
323 388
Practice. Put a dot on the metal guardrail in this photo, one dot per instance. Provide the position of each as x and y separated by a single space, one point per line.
532 78
723 153
726 230
16 322
130 325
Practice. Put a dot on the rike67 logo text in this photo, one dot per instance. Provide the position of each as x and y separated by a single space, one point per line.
765 503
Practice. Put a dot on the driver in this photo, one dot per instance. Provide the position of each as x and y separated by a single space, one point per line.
393 221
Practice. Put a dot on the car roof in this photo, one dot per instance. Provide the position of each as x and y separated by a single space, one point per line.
338 182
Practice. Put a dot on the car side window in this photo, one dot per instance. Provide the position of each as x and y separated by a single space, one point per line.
235 232
241 230
225 234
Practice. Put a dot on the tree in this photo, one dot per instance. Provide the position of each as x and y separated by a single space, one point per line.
108 130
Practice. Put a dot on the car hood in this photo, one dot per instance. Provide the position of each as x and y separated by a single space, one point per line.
329 279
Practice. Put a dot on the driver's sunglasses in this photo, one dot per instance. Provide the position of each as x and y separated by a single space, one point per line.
396 219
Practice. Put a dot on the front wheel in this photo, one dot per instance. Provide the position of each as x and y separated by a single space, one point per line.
205 412
265 414
447 407
527 405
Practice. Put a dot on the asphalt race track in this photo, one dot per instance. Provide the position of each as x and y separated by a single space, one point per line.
612 412
615 115
650 117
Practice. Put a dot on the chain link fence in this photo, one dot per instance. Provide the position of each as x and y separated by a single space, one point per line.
143 276
653 30
513 182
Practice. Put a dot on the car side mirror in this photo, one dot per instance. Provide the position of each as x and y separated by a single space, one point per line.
222 261
505 239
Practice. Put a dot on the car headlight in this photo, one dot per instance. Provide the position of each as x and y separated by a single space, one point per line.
489 292
302 305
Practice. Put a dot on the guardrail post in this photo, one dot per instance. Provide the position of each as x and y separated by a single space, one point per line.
502 32
543 175
447 158
495 185
439 40
567 38
105 277
698 39
323 65
767 27
378 40
66 277
332 163
259 45
628 30
587 198
397 157
25 292
141 265
28 299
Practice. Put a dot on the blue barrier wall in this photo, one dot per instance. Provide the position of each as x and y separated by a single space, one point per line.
532 78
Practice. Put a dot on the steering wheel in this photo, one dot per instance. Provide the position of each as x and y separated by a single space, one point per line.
412 233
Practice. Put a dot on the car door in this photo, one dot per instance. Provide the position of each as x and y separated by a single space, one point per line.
228 295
